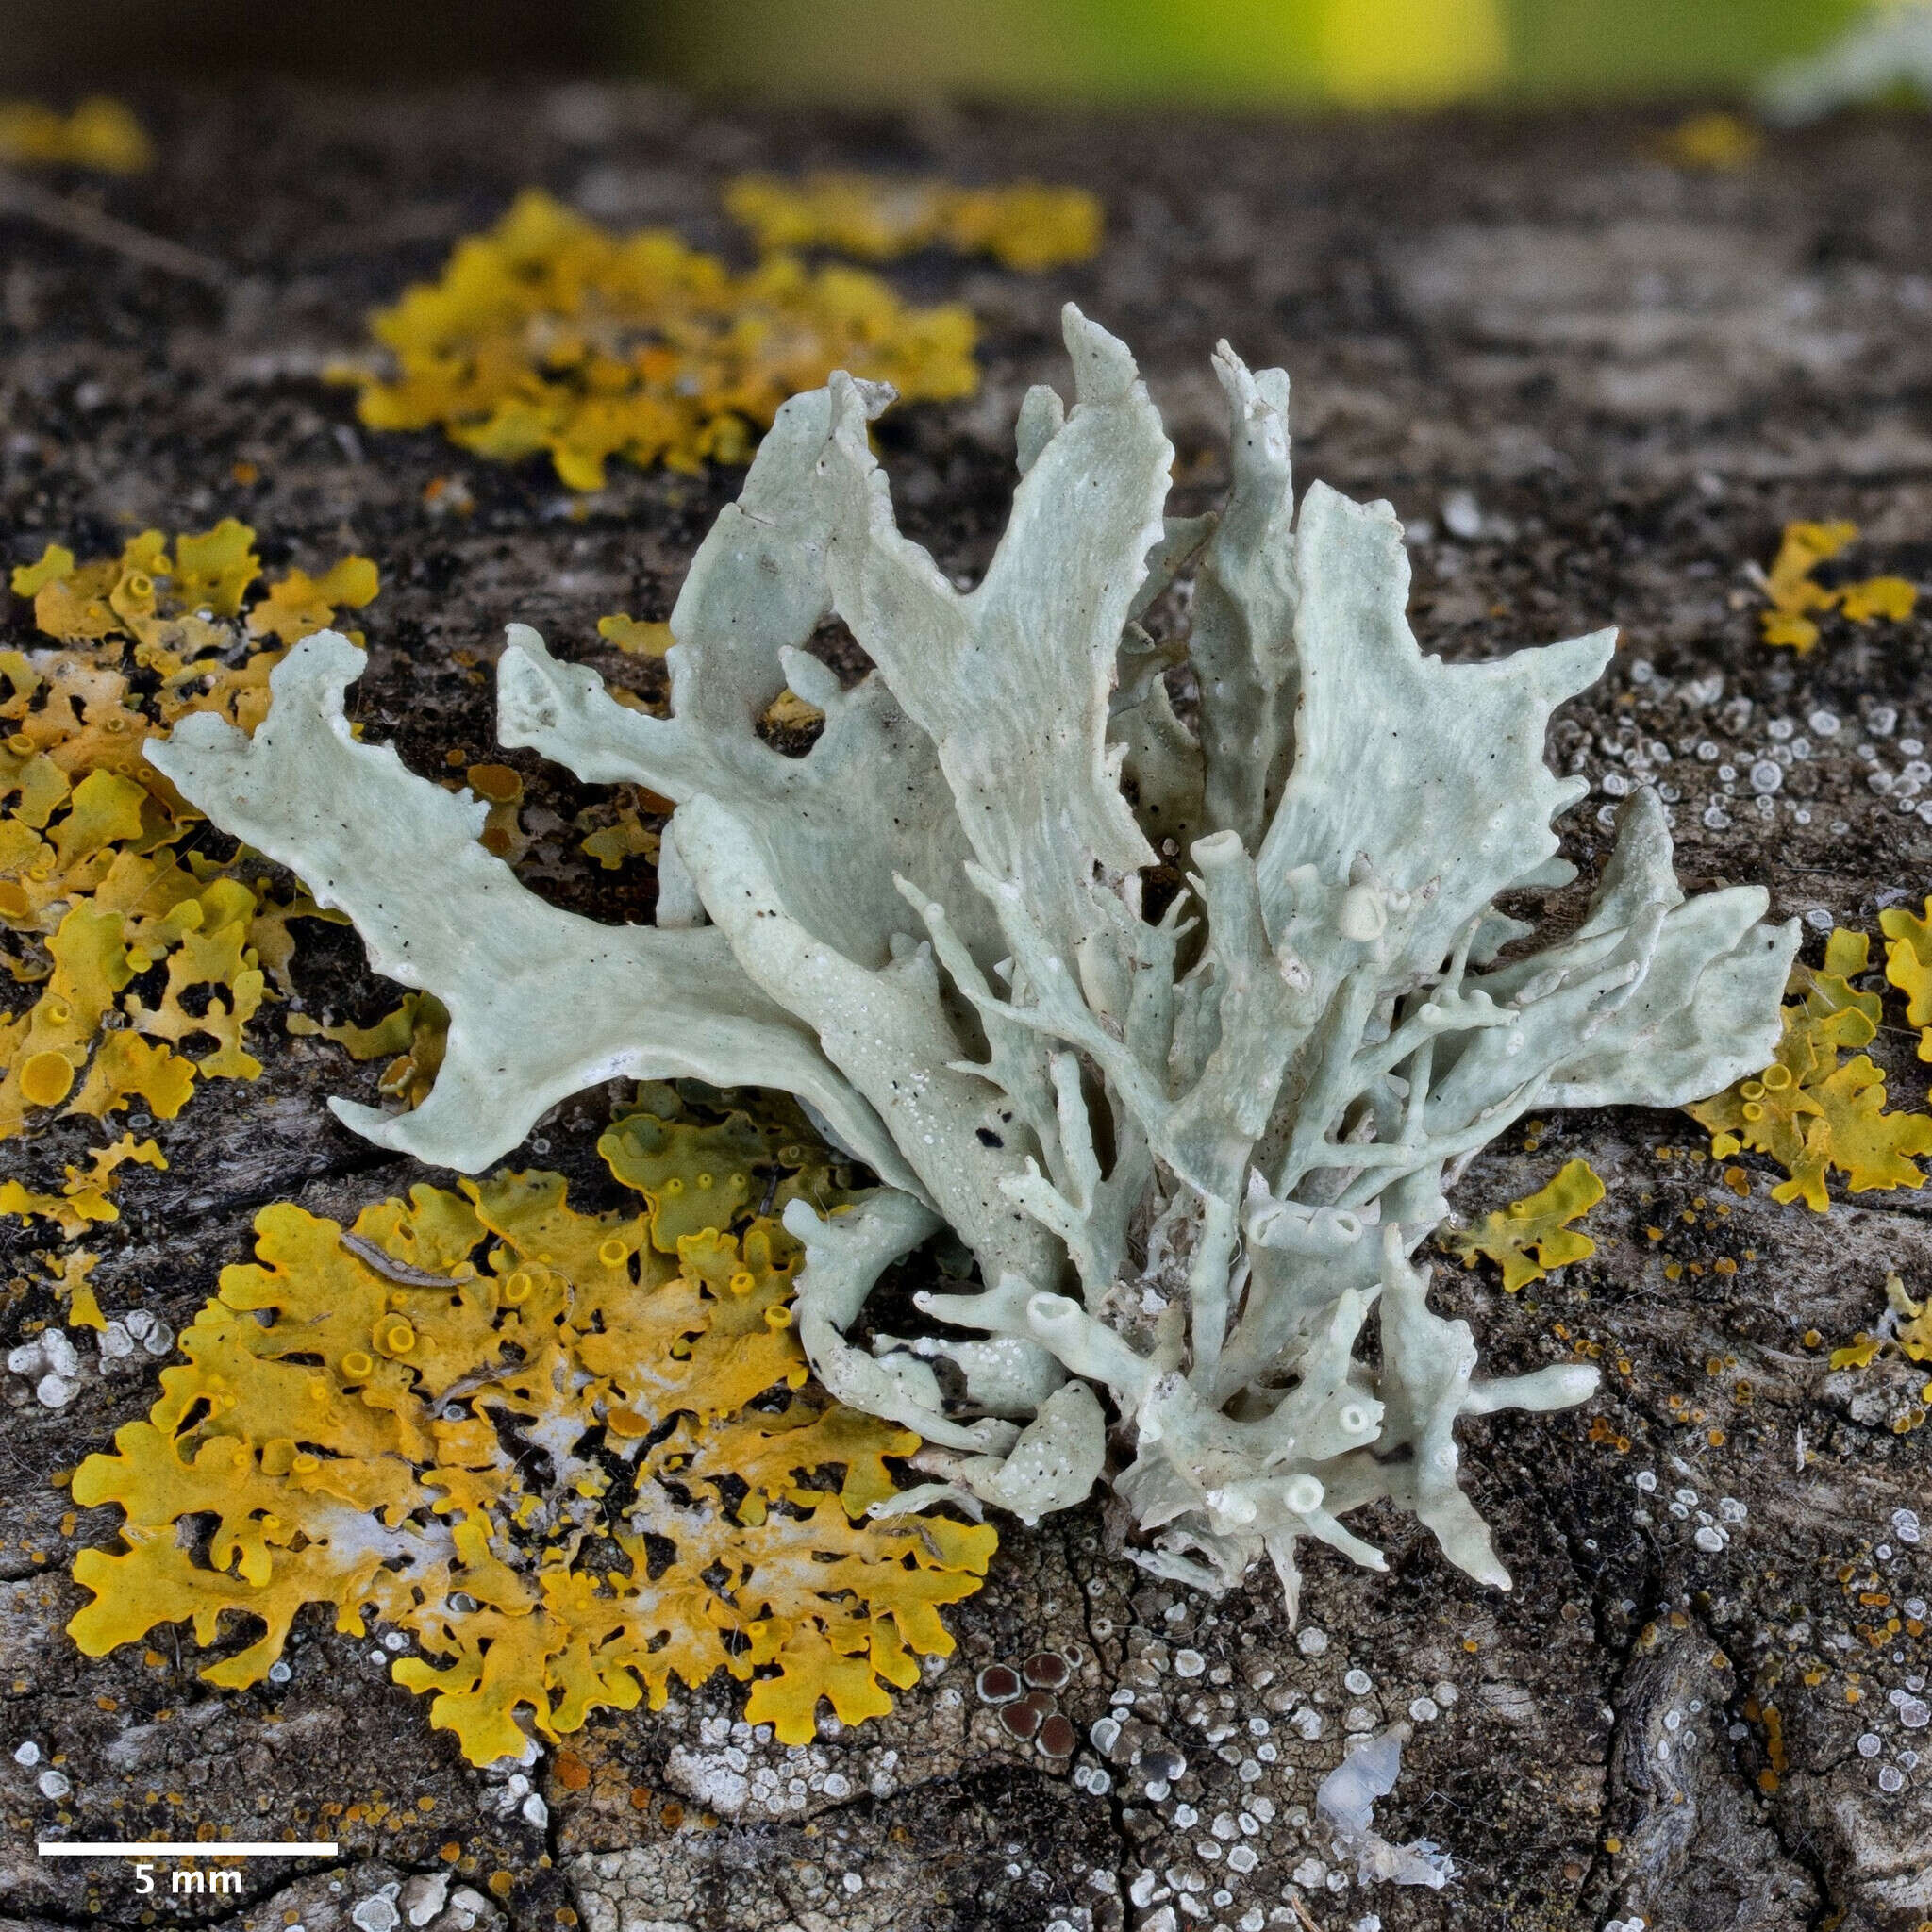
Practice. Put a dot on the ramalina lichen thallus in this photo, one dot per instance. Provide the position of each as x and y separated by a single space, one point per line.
1195 1155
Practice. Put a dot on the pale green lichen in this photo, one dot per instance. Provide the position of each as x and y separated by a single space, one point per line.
1193 1155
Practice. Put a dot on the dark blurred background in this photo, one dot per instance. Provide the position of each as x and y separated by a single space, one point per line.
1231 53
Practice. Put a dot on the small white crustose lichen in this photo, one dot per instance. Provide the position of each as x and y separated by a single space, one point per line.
1194 1156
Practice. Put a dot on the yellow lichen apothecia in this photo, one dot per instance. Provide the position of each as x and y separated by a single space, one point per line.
98 886
565 1453
550 334
1812 1113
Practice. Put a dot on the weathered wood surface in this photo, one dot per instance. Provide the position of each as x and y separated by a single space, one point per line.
1637 375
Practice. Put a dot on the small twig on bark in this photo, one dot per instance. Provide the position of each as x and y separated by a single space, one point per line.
35 203
380 1261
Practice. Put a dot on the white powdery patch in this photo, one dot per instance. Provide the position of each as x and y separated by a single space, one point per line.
1195 1148
52 1364
712 1778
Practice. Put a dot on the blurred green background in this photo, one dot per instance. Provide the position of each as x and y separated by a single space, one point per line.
1235 53
1244 54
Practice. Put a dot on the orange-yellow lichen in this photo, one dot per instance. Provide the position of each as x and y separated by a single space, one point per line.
1908 966
550 334
562 1452
633 637
1907 1331
299 605
416 1031
100 134
1812 1113
702 1172
85 1197
1711 143
788 711
95 894
877 217
1794 593
627 837
501 789
1531 1235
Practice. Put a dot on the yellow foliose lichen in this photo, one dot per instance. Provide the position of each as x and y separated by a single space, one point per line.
633 637
86 1196
1908 966
1531 1235
415 1031
1712 143
550 334
697 1169
626 838
1812 1113
1906 1328
99 885
1794 593
100 134
565 1454
877 217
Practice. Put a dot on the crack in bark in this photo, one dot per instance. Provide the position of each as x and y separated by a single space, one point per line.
1114 1798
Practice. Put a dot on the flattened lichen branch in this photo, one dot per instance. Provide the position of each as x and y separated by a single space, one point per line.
1198 1154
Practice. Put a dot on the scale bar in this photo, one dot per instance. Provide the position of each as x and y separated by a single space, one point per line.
203 1848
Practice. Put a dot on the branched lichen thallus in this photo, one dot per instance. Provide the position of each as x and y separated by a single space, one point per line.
1193 1157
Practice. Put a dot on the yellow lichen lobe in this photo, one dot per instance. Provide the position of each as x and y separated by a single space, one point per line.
1794 593
634 638
693 1173
549 334
416 1031
651 1361
1712 141
299 605
1025 225
1905 1329
629 838
86 1196
1908 966
100 134
1812 1113
1531 1235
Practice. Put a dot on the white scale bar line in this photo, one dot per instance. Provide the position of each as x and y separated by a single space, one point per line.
202 1848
